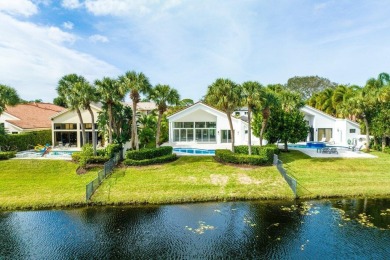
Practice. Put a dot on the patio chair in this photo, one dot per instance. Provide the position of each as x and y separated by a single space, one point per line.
66 145
331 141
333 150
323 139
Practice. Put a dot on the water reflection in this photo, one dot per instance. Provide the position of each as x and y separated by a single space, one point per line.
312 229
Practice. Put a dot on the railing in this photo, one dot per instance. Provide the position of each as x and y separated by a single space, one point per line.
106 171
290 180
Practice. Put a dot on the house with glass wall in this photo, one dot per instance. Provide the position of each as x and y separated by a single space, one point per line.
66 127
201 125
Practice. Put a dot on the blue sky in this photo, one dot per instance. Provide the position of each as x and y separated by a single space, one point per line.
190 43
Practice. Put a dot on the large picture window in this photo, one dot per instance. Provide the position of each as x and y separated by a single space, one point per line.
203 132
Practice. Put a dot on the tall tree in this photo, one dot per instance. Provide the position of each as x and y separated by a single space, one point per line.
163 95
8 97
110 92
87 95
251 91
67 89
136 84
225 95
309 85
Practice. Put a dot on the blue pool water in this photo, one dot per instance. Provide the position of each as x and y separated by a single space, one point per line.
194 151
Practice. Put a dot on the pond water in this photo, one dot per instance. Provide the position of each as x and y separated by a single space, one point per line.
335 229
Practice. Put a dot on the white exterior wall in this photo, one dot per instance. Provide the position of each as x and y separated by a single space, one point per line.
203 113
340 127
71 117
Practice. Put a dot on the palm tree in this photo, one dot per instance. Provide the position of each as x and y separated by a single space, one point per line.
87 94
267 102
251 91
67 89
136 84
8 96
110 92
225 95
163 95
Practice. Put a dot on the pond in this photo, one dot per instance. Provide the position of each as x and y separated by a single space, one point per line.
331 229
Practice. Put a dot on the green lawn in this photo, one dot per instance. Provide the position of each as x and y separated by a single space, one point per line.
191 179
41 183
320 177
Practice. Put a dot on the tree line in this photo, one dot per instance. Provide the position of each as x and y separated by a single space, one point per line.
273 110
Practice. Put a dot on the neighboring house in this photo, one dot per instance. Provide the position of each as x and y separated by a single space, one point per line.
201 125
67 128
28 117
144 107
326 128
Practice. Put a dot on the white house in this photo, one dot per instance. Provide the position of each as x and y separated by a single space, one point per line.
203 126
66 127
28 117
326 128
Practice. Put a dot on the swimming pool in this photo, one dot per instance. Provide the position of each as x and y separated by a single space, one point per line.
51 154
194 151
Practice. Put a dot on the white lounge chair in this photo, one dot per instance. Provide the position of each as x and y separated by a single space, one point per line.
323 139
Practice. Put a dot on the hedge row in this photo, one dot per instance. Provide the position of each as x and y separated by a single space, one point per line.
26 141
103 155
236 158
149 153
161 159
7 155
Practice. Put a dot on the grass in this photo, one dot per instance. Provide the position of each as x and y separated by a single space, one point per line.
41 183
337 177
191 179
48 183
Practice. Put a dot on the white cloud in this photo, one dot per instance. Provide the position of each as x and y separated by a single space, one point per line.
68 25
59 36
71 4
18 7
128 7
34 59
98 38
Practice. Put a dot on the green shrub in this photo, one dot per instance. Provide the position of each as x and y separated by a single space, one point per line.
76 156
7 155
157 160
386 150
111 149
236 158
26 141
266 151
149 153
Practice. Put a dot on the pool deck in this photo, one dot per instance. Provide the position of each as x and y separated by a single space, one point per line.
342 153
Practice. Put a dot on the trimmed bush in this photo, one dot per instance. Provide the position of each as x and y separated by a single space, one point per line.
91 159
144 162
7 155
236 158
26 141
111 149
266 151
387 150
149 153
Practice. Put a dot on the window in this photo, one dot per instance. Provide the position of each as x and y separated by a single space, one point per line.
352 131
226 136
200 131
237 113
65 126
324 134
